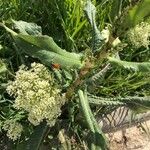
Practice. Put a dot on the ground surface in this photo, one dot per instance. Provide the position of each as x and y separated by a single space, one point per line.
134 138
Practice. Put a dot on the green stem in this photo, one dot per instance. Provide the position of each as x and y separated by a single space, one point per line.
85 109
99 140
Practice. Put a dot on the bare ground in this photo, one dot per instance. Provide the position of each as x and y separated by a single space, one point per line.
134 138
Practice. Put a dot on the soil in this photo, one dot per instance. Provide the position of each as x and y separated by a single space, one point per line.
134 138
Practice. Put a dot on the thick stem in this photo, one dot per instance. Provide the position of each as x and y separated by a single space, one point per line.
85 110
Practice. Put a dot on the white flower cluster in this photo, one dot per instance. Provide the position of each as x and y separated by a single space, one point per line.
36 93
13 128
139 35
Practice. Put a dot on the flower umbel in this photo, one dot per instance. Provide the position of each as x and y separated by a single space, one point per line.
139 35
13 128
35 92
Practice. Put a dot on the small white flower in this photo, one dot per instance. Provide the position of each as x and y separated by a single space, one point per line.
35 92
13 128
139 35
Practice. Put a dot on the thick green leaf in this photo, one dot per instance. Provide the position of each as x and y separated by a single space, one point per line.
138 104
135 66
98 141
27 28
48 57
35 140
46 50
47 43
104 102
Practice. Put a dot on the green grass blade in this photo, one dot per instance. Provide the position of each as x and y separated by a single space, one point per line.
115 9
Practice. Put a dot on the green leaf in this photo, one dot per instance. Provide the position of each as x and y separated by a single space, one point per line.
138 104
90 11
104 101
3 67
67 75
98 141
48 57
1 47
35 140
135 66
137 14
97 38
46 50
47 43
27 28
